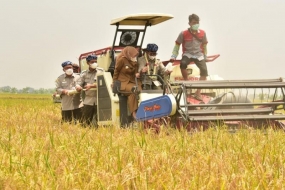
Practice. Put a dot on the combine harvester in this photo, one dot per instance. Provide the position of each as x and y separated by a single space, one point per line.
230 102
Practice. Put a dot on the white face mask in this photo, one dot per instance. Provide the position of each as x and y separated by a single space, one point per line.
93 65
151 57
134 59
69 71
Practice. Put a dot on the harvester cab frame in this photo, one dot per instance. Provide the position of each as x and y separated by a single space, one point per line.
133 36
130 31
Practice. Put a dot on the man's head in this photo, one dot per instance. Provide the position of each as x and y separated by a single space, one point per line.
92 61
75 67
194 21
67 67
151 50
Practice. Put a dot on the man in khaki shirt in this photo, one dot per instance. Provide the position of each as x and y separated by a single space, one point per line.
150 65
88 83
65 84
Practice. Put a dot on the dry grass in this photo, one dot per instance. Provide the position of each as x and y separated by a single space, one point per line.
37 152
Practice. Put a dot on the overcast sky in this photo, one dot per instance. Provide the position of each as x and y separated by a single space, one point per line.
38 35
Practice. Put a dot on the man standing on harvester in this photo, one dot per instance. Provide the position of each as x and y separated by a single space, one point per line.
194 48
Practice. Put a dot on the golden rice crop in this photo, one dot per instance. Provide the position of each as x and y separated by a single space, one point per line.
38 152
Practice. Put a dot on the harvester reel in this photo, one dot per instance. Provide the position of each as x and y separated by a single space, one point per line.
231 97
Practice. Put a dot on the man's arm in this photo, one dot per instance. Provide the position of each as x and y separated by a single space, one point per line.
142 65
90 85
161 68
175 51
176 48
59 88
80 81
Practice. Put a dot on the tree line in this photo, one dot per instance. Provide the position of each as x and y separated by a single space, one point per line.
26 90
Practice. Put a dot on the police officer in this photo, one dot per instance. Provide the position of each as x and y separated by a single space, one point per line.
65 86
88 83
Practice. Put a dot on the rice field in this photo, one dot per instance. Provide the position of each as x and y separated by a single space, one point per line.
38 152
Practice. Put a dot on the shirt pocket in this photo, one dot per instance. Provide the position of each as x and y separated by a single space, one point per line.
64 85
86 80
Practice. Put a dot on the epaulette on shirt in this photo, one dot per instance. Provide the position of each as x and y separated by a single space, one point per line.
100 69
59 77
83 72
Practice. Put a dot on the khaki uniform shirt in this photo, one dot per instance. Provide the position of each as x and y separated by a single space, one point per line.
64 82
89 77
160 69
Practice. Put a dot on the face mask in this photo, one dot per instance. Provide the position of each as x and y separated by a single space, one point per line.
151 57
195 27
69 71
134 59
93 65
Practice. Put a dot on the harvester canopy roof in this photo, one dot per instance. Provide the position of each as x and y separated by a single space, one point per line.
142 19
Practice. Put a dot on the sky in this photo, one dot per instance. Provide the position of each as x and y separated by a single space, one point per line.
38 35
